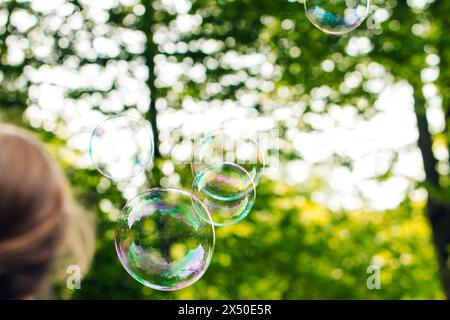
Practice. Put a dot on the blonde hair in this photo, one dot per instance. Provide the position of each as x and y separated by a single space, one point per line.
39 221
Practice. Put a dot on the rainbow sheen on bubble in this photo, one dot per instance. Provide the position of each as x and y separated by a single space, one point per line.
121 147
225 145
162 241
228 192
337 16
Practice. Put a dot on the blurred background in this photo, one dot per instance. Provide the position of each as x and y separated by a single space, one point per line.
362 121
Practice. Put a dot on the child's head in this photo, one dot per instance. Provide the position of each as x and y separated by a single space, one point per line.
33 207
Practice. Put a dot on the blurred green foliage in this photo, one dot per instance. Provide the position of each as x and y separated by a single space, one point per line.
289 247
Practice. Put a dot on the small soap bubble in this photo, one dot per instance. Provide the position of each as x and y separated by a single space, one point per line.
228 192
225 145
337 16
163 241
121 147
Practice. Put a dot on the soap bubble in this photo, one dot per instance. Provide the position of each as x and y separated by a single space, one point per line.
228 192
121 147
162 241
336 16
228 146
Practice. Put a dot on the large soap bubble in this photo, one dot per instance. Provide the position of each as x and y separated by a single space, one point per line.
121 147
336 16
162 241
228 192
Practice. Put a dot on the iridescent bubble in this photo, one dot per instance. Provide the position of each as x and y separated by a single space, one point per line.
162 241
121 147
337 16
228 192
227 146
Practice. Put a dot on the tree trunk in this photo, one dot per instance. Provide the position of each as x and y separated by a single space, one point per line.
439 216
149 54
438 213
151 49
